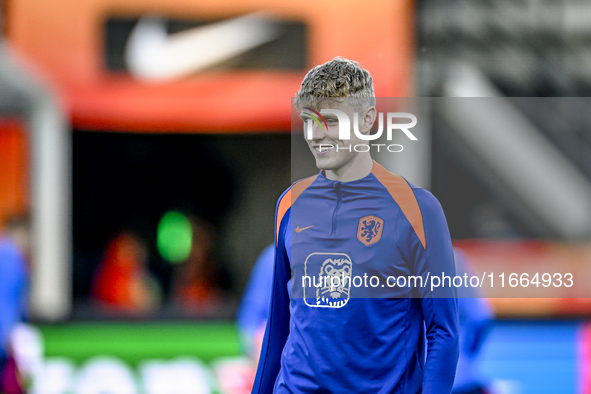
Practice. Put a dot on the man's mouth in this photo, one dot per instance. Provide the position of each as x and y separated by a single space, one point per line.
323 148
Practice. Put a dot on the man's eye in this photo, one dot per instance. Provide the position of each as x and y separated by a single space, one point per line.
331 121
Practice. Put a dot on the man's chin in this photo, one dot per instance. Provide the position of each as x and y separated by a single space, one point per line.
324 164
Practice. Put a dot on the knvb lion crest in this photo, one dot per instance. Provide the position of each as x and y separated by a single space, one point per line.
370 229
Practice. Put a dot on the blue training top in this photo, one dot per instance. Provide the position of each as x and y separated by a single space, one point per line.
362 335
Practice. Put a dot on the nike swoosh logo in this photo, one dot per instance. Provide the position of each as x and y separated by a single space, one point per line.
153 55
298 229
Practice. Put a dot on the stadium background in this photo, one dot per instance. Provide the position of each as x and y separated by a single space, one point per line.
92 145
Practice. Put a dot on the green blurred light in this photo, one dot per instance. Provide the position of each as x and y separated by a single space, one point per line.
175 237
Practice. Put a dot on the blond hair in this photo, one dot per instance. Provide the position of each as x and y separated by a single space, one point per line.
338 78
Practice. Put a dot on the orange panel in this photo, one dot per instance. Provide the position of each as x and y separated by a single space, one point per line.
64 37
14 172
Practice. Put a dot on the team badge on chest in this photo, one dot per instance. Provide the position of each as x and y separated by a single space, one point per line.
370 230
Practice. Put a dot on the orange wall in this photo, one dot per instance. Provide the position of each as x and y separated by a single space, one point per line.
14 190
64 38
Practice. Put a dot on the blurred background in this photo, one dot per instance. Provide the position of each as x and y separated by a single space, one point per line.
144 144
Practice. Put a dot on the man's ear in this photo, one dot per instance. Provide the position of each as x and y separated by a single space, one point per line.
368 119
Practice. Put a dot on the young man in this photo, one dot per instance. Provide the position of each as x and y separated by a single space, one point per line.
355 220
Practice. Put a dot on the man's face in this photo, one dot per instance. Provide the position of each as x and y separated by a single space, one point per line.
330 152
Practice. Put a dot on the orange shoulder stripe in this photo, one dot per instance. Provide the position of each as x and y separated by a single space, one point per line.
288 199
402 193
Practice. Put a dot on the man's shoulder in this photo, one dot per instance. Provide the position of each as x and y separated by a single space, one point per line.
401 189
287 199
417 204
291 194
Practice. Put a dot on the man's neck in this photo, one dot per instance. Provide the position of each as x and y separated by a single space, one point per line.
353 171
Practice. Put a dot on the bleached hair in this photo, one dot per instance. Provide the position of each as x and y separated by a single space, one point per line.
336 80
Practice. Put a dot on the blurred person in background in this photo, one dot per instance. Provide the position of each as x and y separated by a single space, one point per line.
197 281
122 281
254 308
476 320
14 285
252 319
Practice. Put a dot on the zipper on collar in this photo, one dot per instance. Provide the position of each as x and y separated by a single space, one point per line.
337 187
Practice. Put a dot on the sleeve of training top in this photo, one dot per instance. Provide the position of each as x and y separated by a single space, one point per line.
439 304
277 328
